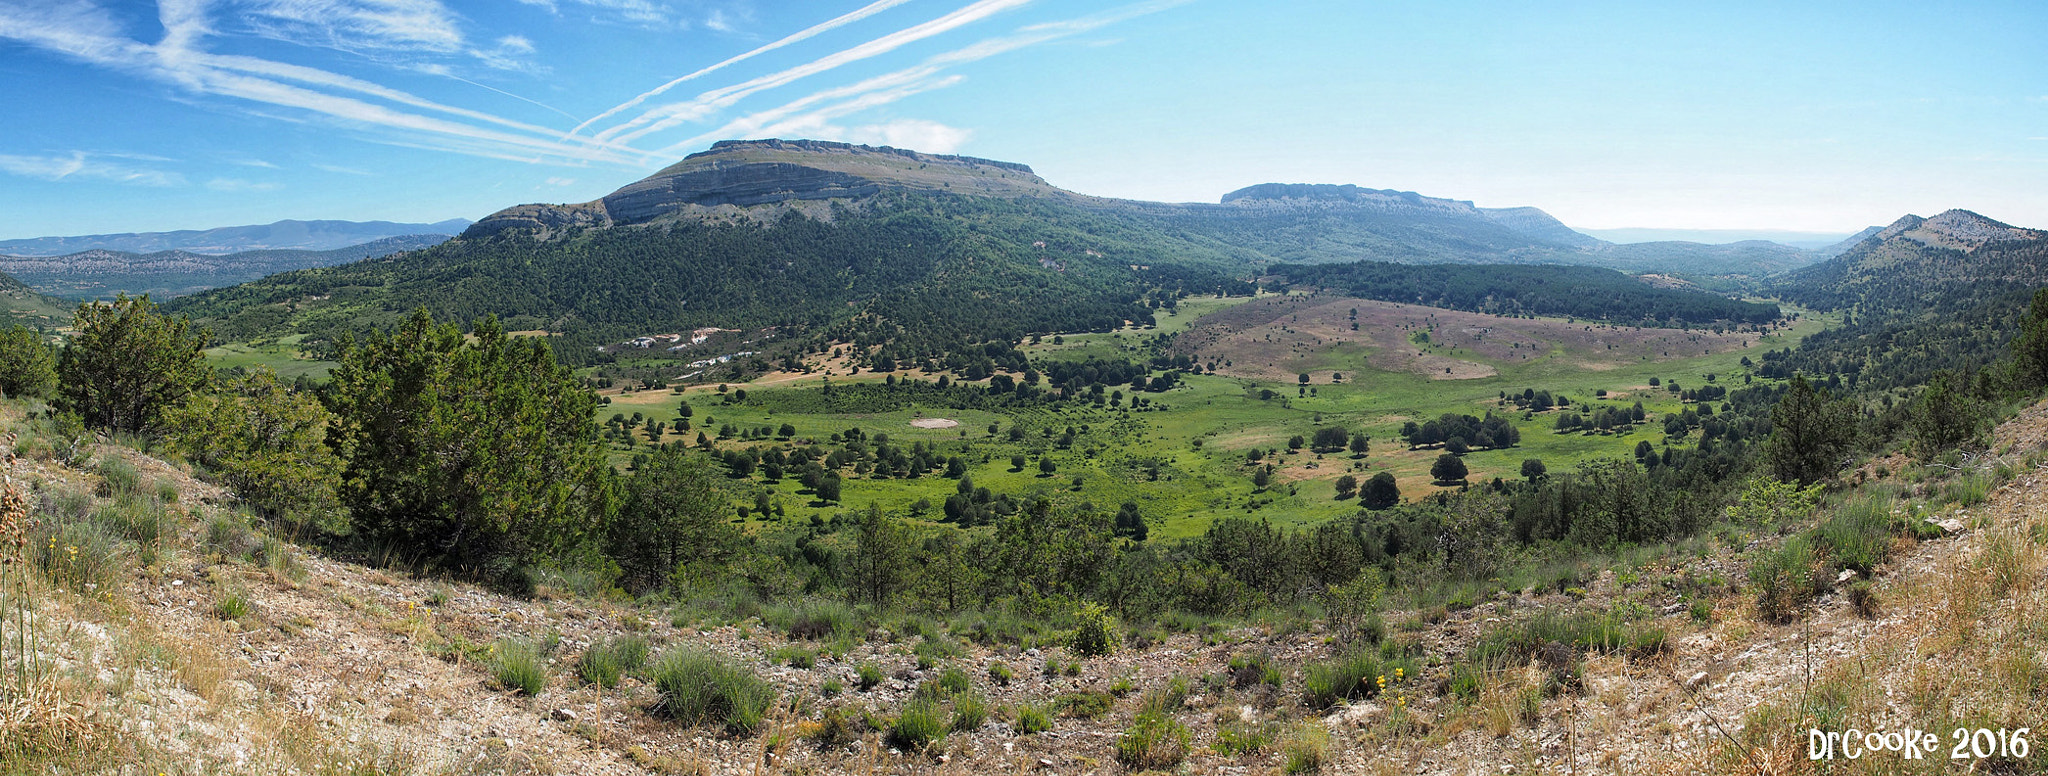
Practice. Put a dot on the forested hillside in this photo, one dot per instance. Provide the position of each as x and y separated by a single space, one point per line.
24 305
1506 289
1923 295
942 268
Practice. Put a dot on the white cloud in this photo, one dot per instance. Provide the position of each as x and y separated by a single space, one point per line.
561 181
670 115
841 21
253 163
355 25
790 119
83 33
640 12
239 185
84 166
335 168
914 134
515 43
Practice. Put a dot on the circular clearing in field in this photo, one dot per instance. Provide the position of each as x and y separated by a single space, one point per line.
934 423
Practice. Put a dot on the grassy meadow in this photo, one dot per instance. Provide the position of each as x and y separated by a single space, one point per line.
1183 459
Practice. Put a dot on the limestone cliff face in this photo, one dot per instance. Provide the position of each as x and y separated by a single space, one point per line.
749 173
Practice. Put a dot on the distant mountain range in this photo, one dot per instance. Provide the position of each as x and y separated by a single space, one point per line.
1814 241
100 273
911 247
283 235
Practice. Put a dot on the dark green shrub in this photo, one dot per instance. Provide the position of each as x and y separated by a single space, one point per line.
820 619
1240 738
1154 740
604 663
921 726
970 711
1784 579
697 688
1032 719
954 680
1085 704
1094 634
868 675
1346 677
516 666
1167 699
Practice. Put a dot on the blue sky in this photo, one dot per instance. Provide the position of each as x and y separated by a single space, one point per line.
146 116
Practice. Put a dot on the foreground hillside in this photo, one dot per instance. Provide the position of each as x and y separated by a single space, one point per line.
174 636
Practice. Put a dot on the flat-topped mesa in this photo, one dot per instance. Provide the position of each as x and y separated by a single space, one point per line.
747 173
1313 194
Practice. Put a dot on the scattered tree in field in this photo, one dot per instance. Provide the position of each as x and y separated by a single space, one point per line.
479 454
1448 468
1046 466
1330 439
1129 523
1380 492
880 558
1533 470
1360 445
1347 486
129 363
28 365
828 487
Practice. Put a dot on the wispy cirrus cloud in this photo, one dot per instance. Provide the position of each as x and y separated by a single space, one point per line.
809 32
241 185
87 166
813 114
85 32
335 168
354 25
642 13
705 104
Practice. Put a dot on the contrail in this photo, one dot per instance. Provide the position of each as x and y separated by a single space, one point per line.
869 10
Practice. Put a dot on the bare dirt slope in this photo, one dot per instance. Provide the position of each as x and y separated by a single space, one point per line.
1281 337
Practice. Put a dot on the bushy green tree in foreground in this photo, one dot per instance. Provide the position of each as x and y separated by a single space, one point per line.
1810 434
129 364
671 520
28 365
475 452
264 441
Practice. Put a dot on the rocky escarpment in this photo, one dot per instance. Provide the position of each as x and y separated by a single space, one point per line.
750 173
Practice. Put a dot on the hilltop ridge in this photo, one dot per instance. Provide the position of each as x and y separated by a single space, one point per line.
737 174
